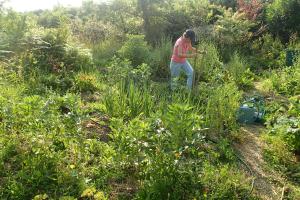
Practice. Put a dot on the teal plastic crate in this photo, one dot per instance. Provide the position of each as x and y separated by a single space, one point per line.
251 111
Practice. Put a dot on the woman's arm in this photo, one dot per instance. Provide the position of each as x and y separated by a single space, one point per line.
195 50
185 55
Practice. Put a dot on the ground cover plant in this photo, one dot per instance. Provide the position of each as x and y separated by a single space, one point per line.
87 112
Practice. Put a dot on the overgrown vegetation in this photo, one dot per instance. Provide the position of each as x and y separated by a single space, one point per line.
86 111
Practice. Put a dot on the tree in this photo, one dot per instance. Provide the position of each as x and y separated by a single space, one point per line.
251 8
227 3
283 18
154 20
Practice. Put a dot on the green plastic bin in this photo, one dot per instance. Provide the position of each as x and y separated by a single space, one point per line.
291 55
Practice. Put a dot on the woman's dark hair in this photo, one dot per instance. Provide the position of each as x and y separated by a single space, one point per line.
190 34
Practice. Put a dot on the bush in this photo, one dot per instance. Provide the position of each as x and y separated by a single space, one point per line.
123 70
160 59
277 152
268 52
206 64
58 83
36 168
136 50
286 125
181 122
283 18
128 101
222 108
105 50
219 183
93 31
240 72
286 81
86 83
50 52
231 31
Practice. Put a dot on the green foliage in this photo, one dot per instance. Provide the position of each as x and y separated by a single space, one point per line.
13 28
148 146
86 83
51 52
231 31
286 80
226 3
219 183
268 52
105 50
51 19
91 193
93 31
36 168
181 121
160 59
206 65
240 72
156 140
283 137
284 123
221 108
124 70
128 101
135 49
283 18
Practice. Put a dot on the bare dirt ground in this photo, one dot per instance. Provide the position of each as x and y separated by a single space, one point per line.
268 184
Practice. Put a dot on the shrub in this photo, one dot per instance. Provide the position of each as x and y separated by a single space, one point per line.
267 52
105 50
206 64
231 31
123 70
181 121
93 31
128 101
13 29
219 183
286 81
50 52
160 59
222 107
58 83
282 17
36 169
240 72
288 129
135 49
277 152
86 83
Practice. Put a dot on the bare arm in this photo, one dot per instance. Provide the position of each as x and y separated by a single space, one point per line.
185 55
195 50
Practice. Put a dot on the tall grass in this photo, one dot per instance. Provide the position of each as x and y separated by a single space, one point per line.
160 59
128 100
221 108
205 64
240 71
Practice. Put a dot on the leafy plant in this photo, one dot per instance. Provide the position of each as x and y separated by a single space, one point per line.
221 108
282 18
86 83
268 52
240 72
205 65
181 122
135 49
160 59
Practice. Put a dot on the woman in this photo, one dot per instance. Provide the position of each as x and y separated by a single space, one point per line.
182 50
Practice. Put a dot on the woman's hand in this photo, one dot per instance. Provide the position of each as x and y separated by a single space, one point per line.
201 52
